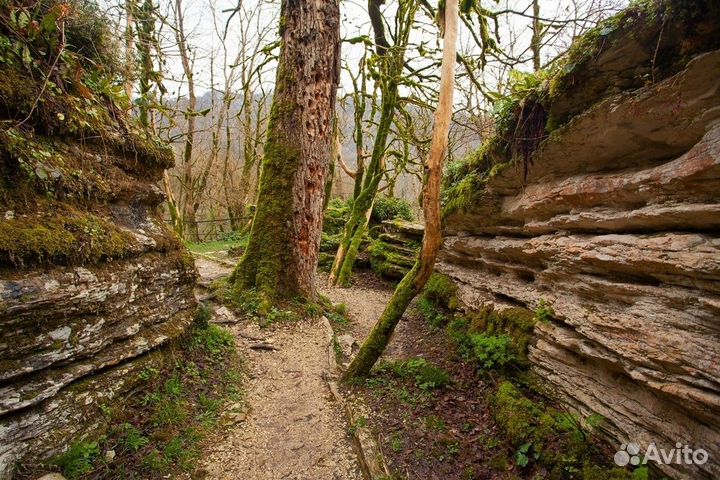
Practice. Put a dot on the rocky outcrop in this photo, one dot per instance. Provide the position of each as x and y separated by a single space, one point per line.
616 226
394 251
93 285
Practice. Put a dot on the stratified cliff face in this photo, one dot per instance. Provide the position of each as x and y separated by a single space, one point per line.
92 282
617 228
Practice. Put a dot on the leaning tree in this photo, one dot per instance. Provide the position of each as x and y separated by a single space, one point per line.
415 279
281 256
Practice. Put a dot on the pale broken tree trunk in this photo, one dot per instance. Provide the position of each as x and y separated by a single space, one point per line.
418 276
284 243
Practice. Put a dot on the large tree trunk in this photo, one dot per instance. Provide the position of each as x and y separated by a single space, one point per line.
281 257
416 278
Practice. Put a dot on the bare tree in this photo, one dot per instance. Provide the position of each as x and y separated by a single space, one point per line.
418 276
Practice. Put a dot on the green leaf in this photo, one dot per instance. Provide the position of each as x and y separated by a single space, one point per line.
26 57
22 19
41 173
200 113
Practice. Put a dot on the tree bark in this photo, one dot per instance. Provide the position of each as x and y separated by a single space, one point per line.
418 276
536 35
281 257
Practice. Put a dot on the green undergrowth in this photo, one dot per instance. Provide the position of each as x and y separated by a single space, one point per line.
412 382
160 430
536 433
391 208
250 304
234 242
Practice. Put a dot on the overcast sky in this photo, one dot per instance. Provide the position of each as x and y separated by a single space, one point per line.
514 33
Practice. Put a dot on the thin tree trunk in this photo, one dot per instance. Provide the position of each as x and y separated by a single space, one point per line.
129 73
188 183
335 157
281 256
416 278
391 68
536 35
175 219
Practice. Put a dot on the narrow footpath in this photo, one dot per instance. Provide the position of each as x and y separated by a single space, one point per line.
293 428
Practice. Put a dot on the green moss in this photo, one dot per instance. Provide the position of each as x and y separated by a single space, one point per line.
520 418
391 261
425 375
65 237
441 290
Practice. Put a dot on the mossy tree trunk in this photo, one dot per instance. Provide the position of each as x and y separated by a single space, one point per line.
190 200
416 278
391 64
536 36
281 256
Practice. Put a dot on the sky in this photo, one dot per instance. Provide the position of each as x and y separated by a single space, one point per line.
259 20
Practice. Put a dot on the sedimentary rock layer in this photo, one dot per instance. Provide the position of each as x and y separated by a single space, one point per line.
617 227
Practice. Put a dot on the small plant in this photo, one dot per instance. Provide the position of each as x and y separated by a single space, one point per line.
106 410
78 459
544 311
147 373
216 340
337 318
391 208
169 412
361 422
431 314
132 439
522 456
493 352
396 442
174 387
203 316
434 423
340 308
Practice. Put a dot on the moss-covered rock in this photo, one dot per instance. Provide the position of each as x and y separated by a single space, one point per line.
93 280
646 43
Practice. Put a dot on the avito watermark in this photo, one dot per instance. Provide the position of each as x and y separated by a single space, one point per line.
629 454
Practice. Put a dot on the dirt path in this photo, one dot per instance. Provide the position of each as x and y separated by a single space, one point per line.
366 300
293 429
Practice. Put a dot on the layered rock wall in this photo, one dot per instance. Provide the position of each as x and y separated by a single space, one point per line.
617 227
93 285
